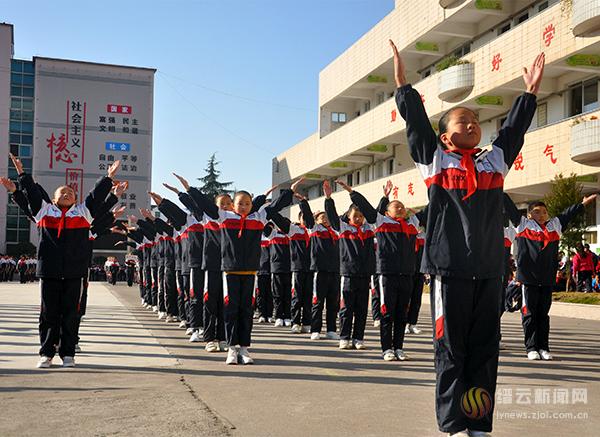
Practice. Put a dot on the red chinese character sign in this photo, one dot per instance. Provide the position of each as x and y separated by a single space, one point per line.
70 145
549 152
548 34
518 164
496 60
411 189
74 179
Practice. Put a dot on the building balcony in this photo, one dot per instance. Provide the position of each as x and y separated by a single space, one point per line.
585 16
456 82
450 3
585 144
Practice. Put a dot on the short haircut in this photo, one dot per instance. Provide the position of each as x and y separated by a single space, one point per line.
352 208
242 193
395 201
534 205
65 186
222 195
317 214
443 123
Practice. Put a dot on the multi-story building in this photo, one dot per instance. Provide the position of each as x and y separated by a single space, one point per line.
68 121
468 53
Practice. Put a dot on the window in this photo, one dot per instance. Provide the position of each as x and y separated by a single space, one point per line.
16 66
358 177
27 92
583 97
505 28
380 98
522 18
542 6
367 106
15 103
542 114
14 149
349 179
338 117
391 166
379 170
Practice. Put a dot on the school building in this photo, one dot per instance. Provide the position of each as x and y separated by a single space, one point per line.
68 121
468 53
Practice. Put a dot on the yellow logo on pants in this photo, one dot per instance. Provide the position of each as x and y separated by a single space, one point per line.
476 403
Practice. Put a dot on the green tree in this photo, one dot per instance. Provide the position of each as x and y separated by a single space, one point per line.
564 192
211 186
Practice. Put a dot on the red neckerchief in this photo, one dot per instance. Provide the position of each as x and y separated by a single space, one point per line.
331 233
546 235
242 221
467 163
61 223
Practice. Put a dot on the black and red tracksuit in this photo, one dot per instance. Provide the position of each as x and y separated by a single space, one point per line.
262 288
281 275
357 265
395 267
537 264
418 281
63 261
325 265
463 248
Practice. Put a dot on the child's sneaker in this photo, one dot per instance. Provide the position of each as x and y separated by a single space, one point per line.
315 336
533 355
545 355
161 315
332 335
261 320
154 308
189 331
196 337
68 361
246 358
473 433
278 323
389 355
412 329
401 355
359 345
170 319
232 356
271 319
44 362
305 329
212 346
182 324
345 344
459 433
377 323
223 346
287 322
296 329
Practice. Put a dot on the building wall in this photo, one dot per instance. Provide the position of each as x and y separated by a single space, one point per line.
6 51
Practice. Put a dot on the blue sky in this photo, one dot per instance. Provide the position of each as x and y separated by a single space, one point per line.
236 77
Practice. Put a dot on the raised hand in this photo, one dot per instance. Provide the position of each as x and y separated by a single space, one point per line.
172 188
344 185
327 189
132 219
589 199
270 190
533 76
119 188
399 68
17 163
157 199
117 230
8 184
296 184
113 169
299 196
184 182
147 214
118 212
387 188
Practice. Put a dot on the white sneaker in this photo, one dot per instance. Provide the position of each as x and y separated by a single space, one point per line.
463 432
287 322
201 331
212 346
155 308
170 319
232 356
223 346
271 319
345 344
189 331
196 337
44 362
315 336
182 324
77 348
376 323
161 315
261 320
246 358
401 355
143 303
359 345
332 335
473 433
389 355
278 323
68 362
533 355
296 329
545 355
305 329
412 329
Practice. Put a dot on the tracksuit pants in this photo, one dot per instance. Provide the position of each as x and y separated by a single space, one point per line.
415 298
58 316
534 316
195 303
238 291
154 285
162 304
301 297
214 326
354 305
82 304
183 306
148 285
142 284
282 294
264 296
394 295
170 287
325 291
466 341
375 305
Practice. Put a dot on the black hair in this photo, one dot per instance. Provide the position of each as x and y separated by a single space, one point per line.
353 207
443 123
242 193
534 205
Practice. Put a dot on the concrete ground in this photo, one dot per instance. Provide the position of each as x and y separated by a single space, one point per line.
140 376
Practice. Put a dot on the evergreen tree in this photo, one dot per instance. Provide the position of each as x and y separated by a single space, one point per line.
211 186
